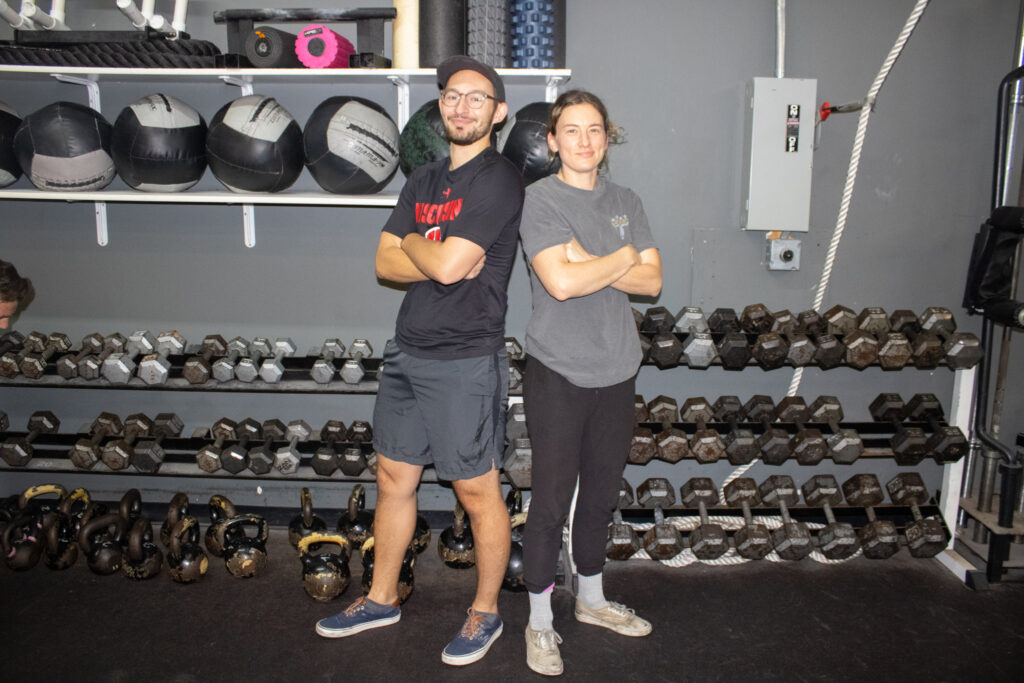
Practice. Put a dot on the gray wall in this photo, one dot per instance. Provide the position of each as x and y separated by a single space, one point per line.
673 75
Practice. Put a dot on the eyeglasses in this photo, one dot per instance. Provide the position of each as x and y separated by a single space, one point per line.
474 98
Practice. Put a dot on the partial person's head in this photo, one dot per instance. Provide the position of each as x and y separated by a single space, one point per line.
14 290
472 99
579 130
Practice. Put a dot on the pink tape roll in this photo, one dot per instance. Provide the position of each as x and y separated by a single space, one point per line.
318 47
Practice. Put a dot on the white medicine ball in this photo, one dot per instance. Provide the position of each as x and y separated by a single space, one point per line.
351 145
65 146
254 145
159 144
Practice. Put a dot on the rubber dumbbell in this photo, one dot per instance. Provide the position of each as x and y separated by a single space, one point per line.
224 367
657 319
10 361
247 369
909 443
894 350
208 457
699 347
671 445
86 452
830 353
926 347
705 444
352 461
925 536
844 445
643 448
199 368
149 455
352 371
623 540
840 320
663 541
879 539
235 457
800 347
770 348
17 451
947 443
323 369
811 322
962 349
67 365
117 455
34 364
808 445
10 341
773 442
708 541
155 368
837 540
625 494
666 350
91 367
288 458
861 349
740 443
733 346
12 350
325 459
752 541
118 368
262 457
792 540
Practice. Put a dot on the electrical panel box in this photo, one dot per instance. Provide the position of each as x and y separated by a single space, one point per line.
778 154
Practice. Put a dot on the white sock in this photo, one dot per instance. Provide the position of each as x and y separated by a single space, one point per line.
541 617
591 591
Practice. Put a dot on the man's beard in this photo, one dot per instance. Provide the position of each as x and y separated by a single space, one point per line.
466 136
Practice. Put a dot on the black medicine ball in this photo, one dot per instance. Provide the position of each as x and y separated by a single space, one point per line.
524 141
254 145
159 144
9 168
351 145
65 146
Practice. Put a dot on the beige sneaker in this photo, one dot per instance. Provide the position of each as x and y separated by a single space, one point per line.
542 651
614 616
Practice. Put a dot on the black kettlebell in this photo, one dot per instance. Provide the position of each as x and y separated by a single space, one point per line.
406 577
31 505
421 535
357 523
244 556
221 510
22 543
325 575
61 542
131 507
80 508
455 545
100 540
517 518
305 523
513 580
143 559
186 561
177 510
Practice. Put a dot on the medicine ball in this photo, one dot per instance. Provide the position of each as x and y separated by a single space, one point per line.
254 145
9 122
524 141
65 146
159 144
423 139
351 145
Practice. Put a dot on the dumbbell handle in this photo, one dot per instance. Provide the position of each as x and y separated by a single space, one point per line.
231 357
132 434
99 435
748 518
9 342
244 439
293 440
15 364
219 440
829 515
870 512
784 511
205 353
31 436
703 508
916 511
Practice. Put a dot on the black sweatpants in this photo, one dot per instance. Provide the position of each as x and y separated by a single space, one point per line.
573 432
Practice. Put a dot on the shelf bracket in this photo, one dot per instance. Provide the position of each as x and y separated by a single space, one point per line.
244 83
249 225
551 85
402 83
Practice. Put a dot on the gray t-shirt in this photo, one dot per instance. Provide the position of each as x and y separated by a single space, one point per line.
590 340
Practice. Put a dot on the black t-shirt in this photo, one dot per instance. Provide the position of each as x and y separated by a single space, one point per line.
481 201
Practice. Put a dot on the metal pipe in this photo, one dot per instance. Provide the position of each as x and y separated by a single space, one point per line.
10 16
147 8
30 10
1009 486
57 10
987 480
178 18
780 38
129 9
158 23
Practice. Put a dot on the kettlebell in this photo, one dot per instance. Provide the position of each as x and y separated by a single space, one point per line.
80 508
325 575
421 535
30 504
357 523
221 510
177 509
23 543
305 523
61 542
455 545
406 577
143 559
244 556
100 540
186 561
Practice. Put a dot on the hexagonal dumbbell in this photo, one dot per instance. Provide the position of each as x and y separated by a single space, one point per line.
657 319
663 541
845 445
909 443
873 320
962 349
840 320
262 457
773 442
353 370
752 541
643 447
235 458
117 455
34 364
325 459
801 348
670 444
756 319
248 369
149 455
118 368
287 458
17 451
733 346
699 347
706 445
708 541
352 461
323 369
861 349
67 365
879 539
925 536
515 421
837 540
519 462
623 541
740 443
792 540
155 368
808 445
830 353
11 341
224 367
770 349
811 322
514 351
91 367
625 494
10 361
947 443
926 347
86 452
199 368
272 369
208 457
894 351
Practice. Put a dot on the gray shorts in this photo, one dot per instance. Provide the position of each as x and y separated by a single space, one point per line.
448 413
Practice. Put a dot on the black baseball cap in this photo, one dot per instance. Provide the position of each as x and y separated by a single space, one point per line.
450 66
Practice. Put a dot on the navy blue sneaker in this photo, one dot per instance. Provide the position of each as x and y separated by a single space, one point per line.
474 640
360 616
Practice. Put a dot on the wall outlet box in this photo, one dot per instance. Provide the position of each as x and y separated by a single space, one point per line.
783 254
778 154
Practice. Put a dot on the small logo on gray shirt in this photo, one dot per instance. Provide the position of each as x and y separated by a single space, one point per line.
620 223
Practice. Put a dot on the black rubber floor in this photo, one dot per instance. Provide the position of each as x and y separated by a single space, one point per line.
897 620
